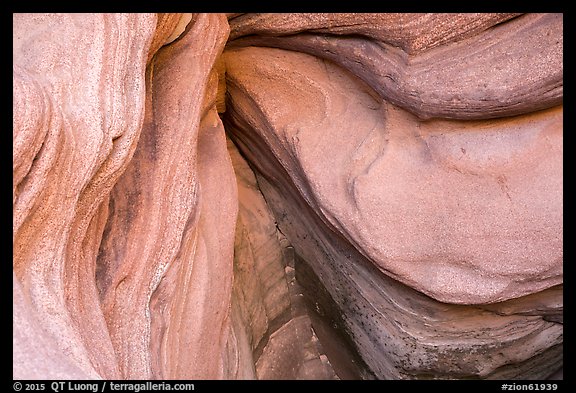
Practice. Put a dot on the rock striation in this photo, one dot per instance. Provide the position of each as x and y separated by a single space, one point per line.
442 172
427 65
110 230
352 224
287 196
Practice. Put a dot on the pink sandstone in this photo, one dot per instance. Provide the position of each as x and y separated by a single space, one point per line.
287 196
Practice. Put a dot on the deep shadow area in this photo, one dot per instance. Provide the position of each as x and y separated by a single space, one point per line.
329 326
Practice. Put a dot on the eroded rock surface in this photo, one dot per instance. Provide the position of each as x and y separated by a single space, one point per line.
345 145
394 209
351 223
485 70
110 229
72 137
458 210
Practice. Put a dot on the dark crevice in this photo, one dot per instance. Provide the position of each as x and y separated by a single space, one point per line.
329 326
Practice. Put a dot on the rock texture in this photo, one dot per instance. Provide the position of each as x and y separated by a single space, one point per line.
72 137
366 191
159 275
504 70
394 209
441 172
272 336
339 217
110 230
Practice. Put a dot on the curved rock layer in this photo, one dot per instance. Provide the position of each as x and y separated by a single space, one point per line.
394 209
323 207
112 236
412 32
483 70
145 271
507 175
72 138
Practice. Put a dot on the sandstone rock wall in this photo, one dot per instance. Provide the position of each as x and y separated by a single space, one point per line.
123 243
391 206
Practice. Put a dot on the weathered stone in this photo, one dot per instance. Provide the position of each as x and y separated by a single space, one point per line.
455 218
36 353
272 330
81 184
489 214
412 32
548 304
73 135
169 235
510 69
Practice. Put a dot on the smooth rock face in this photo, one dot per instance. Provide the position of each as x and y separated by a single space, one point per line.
145 271
489 216
36 354
323 207
461 211
394 209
